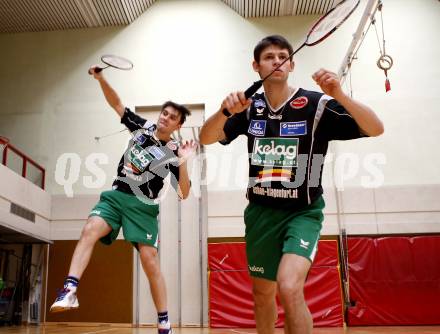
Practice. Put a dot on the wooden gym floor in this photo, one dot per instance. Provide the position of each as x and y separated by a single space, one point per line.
60 329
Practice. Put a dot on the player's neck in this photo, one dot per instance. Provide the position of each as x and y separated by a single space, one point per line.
162 135
276 95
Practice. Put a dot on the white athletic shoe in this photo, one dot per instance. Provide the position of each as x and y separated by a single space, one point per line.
66 300
164 328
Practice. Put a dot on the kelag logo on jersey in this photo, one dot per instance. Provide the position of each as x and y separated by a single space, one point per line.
277 152
139 157
257 128
293 128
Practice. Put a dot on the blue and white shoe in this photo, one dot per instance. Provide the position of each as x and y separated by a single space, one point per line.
66 300
164 328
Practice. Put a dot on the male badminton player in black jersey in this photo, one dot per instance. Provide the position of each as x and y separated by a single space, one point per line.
288 130
150 157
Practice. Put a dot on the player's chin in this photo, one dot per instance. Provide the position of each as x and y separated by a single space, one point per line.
278 78
162 127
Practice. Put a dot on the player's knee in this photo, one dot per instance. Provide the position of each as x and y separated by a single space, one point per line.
91 230
149 260
290 289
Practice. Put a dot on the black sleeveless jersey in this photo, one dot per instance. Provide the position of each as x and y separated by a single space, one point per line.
146 161
287 146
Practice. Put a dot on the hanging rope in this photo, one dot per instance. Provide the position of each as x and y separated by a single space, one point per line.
385 62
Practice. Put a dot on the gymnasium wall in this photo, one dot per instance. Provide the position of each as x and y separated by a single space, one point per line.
386 210
108 281
16 190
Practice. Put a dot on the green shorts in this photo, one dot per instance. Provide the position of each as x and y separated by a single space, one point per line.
137 219
272 232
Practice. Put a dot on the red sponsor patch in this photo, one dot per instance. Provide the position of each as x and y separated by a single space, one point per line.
172 146
299 102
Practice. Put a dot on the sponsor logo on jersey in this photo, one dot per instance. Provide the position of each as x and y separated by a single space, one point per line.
275 152
130 168
172 145
260 111
269 175
139 158
149 236
299 102
260 104
276 116
150 126
140 138
131 174
156 152
257 127
275 193
293 128
256 269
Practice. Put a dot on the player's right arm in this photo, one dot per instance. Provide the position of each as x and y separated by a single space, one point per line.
212 131
110 94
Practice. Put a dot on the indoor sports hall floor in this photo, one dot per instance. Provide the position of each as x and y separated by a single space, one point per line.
58 329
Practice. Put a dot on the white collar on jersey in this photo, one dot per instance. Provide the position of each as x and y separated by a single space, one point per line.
278 113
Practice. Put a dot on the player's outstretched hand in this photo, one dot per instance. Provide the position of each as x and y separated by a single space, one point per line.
187 149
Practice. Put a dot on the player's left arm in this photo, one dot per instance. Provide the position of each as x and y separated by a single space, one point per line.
364 116
185 152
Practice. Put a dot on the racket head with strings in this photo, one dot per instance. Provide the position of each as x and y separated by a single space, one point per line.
117 62
323 28
330 21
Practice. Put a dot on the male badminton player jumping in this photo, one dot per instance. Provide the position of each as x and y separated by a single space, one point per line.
288 130
149 158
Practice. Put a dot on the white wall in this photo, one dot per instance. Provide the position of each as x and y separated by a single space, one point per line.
387 210
410 110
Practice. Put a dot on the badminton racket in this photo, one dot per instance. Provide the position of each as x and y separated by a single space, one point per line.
114 61
323 28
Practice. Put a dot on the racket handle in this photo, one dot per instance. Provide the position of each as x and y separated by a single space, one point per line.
247 93
253 89
96 70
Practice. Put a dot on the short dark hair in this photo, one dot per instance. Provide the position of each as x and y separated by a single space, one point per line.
183 111
277 40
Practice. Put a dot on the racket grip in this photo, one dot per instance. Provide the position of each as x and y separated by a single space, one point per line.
247 93
253 89
96 70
